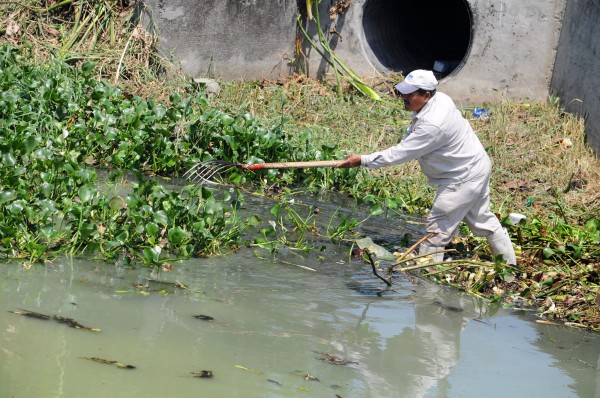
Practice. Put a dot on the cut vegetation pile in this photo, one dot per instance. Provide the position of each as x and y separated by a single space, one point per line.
76 77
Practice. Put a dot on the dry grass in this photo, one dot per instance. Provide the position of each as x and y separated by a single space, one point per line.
539 154
108 34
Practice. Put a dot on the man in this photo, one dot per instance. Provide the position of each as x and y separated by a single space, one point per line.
452 157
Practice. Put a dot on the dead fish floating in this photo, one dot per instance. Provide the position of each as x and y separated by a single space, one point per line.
208 318
60 319
204 317
334 359
203 374
174 284
448 307
71 323
305 376
32 314
108 362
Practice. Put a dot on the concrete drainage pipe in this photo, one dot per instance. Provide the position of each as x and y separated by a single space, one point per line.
407 35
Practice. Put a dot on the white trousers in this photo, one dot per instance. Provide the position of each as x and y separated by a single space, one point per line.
468 201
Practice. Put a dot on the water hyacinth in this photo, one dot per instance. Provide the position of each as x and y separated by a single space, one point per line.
59 125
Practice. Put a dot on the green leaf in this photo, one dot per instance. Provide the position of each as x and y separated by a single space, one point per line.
548 252
593 225
235 178
275 210
152 229
376 209
267 232
123 237
30 143
152 255
253 220
117 203
176 235
391 203
7 196
87 229
86 193
212 207
8 160
160 111
226 119
175 98
88 67
46 189
161 217
113 244
132 201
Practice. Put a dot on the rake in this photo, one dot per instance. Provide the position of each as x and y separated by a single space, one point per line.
203 172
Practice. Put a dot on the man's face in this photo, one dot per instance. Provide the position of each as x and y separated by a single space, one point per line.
415 101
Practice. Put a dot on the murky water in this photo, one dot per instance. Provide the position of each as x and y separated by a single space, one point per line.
269 328
273 326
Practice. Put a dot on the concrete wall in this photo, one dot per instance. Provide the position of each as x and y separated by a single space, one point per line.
228 39
576 78
512 50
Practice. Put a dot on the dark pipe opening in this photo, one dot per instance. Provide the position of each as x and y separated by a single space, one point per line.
433 35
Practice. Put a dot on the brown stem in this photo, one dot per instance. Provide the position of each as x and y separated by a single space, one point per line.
387 282
413 247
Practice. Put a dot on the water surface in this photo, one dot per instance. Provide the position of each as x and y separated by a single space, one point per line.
273 325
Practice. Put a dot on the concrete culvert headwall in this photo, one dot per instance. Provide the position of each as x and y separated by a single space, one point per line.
403 36
478 48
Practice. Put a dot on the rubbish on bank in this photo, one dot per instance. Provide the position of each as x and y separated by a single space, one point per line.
481 113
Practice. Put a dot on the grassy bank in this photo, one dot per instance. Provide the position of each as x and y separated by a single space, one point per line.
101 75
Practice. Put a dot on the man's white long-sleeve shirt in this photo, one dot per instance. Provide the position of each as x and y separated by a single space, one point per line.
443 142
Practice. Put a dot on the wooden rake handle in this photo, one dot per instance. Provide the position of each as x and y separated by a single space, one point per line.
293 165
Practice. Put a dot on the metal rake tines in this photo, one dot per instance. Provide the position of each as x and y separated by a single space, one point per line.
202 172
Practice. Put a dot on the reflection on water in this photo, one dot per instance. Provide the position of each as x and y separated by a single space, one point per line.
273 324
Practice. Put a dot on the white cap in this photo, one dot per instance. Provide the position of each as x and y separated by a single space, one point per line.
417 79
